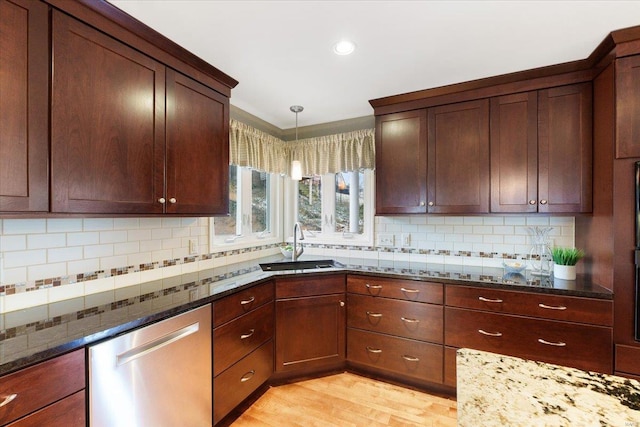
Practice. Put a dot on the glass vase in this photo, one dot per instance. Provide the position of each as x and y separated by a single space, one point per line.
540 254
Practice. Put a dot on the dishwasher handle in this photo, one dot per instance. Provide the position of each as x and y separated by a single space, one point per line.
156 344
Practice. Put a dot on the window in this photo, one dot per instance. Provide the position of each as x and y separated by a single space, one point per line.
334 207
253 208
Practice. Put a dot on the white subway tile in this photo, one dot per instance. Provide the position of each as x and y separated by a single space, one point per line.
113 236
454 220
83 266
180 232
25 258
171 243
538 220
44 241
23 300
419 220
161 233
150 246
124 280
515 239
12 243
137 259
150 223
98 224
126 248
444 229
562 220
394 228
472 220
151 275
454 237
463 229
170 222
515 220
24 226
493 220
483 247
409 228
108 263
503 229
444 246
36 272
463 246
435 237
126 223
64 225
72 253
14 275
492 238
182 252
473 238
435 220
161 255
84 238
98 251
503 249
65 292
98 286
482 229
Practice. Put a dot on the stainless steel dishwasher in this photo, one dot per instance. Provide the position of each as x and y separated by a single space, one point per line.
159 375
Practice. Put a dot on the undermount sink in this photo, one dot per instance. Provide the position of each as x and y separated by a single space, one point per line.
300 265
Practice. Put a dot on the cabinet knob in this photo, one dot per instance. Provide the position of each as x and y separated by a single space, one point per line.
341 303
532 202
421 203
431 203
172 200
162 200
543 202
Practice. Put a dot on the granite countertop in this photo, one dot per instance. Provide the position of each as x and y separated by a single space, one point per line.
498 390
31 335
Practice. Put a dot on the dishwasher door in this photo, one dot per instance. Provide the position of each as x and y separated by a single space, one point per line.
159 375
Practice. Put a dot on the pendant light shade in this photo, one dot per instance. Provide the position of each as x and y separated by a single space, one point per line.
296 167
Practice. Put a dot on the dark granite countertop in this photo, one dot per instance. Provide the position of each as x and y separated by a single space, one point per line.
35 334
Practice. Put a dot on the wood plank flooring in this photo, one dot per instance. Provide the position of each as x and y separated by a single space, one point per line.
345 400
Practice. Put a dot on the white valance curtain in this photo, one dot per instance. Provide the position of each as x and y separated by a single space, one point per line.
327 154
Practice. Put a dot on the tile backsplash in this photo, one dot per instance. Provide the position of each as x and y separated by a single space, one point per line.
46 260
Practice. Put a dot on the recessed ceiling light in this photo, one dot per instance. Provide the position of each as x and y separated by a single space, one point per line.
344 47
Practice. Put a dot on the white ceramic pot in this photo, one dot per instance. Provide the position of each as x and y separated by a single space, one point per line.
565 272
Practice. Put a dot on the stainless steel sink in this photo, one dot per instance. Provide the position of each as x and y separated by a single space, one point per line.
300 265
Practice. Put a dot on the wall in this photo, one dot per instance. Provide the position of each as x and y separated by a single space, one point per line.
47 260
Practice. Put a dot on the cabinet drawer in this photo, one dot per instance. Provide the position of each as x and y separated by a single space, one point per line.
68 412
556 307
42 384
569 344
234 340
404 356
306 285
236 383
240 303
403 318
411 290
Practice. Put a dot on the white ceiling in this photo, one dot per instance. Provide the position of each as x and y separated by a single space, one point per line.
281 51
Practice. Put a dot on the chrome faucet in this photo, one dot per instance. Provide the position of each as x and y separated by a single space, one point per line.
296 252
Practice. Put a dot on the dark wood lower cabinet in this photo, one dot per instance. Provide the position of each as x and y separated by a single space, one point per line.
235 384
407 357
68 412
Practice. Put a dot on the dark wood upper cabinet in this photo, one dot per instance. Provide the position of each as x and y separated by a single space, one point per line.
117 146
458 158
107 123
24 118
565 151
514 153
401 163
197 147
628 107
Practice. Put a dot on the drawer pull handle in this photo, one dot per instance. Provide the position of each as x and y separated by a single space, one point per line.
372 314
491 334
410 291
552 307
555 344
489 300
406 319
374 350
373 286
245 336
247 301
246 377
8 400
410 358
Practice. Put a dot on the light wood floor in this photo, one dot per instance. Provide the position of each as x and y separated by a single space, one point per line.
345 400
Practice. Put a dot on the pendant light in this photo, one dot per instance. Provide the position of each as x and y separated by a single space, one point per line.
296 167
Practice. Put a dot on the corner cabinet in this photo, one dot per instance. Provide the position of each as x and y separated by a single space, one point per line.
627 89
24 97
541 151
130 135
401 163
310 324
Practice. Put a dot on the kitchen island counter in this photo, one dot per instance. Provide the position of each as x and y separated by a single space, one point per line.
498 390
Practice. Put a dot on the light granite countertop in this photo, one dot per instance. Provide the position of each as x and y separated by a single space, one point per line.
498 390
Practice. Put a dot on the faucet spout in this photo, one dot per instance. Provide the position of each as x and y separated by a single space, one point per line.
297 252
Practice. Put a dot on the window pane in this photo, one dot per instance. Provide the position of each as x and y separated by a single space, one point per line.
259 201
310 203
227 225
350 202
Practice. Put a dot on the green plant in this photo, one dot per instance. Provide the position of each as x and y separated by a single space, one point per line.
566 256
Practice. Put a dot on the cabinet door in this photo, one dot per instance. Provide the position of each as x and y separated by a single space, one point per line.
628 107
197 148
514 153
24 98
68 412
565 149
310 332
458 153
107 124
401 163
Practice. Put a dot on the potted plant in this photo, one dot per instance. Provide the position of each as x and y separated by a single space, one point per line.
565 260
